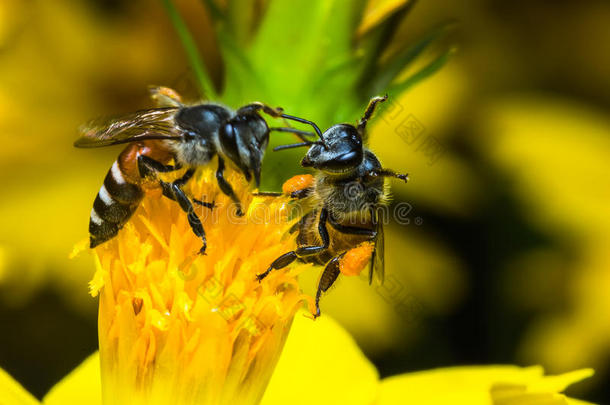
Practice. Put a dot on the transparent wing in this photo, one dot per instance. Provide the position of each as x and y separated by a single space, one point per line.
377 267
155 123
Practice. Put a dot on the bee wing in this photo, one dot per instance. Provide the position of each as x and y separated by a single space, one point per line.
155 123
377 267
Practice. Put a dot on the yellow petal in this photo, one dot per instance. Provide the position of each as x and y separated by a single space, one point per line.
558 383
12 393
321 364
479 385
81 386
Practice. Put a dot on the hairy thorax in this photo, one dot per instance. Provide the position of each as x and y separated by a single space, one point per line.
196 152
348 200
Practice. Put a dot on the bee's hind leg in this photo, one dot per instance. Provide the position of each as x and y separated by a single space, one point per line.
174 191
328 278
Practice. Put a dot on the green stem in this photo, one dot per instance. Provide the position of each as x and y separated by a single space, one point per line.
204 82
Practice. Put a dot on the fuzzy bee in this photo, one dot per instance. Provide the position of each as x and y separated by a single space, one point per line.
168 138
341 229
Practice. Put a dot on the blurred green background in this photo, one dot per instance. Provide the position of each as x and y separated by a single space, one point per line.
502 253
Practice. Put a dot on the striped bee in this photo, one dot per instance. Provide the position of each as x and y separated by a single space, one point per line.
346 193
168 138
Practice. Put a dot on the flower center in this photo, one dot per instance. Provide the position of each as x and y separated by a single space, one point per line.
179 327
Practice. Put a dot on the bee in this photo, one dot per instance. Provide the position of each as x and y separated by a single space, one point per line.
342 228
168 138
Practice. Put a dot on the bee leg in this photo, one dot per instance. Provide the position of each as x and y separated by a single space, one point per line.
375 220
287 258
148 166
279 263
226 188
268 194
295 195
254 107
174 191
370 109
352 230
302 193
328 278
210 205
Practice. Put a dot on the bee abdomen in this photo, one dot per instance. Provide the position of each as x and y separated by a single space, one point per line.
114 204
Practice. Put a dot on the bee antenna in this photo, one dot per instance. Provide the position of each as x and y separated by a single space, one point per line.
370 109
300 134
296 145
304 121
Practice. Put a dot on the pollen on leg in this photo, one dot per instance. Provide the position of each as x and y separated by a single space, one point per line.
356 259
297 183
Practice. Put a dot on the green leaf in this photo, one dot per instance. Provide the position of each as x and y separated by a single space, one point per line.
373 45
423 73
215 12
242 82
386 74
295 44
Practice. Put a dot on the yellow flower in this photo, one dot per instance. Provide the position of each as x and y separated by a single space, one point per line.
179 328
176 326
321 364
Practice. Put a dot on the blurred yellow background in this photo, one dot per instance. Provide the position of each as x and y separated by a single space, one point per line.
504 258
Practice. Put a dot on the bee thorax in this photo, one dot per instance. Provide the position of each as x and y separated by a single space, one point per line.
196 152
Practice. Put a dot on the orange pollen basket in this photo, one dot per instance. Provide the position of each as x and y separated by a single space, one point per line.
356 259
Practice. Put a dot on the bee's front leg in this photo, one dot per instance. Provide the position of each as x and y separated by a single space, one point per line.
174 191
257 106
226 188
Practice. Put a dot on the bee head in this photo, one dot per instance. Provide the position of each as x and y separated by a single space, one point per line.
243 140
340 152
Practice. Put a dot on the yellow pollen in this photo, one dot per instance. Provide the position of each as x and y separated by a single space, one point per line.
356 259
176 327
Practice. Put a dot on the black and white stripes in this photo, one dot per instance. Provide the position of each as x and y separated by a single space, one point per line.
113 206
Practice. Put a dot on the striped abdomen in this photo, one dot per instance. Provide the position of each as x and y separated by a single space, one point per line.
120 194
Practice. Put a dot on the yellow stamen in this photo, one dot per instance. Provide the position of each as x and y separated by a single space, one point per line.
178 327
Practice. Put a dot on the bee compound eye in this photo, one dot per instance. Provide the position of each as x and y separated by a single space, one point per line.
227 140
345 161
